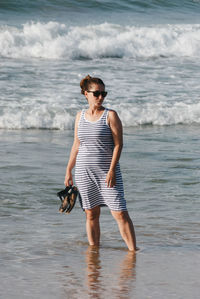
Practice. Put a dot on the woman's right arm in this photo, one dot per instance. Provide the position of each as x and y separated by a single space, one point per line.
74 151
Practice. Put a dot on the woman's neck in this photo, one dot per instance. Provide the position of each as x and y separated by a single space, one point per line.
95 110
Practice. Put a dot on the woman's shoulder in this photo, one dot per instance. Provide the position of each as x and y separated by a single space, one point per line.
112 116
112 113
78 115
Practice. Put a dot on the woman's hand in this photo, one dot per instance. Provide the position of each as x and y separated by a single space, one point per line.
68 179
111 179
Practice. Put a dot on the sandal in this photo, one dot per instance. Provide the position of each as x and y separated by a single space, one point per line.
68 199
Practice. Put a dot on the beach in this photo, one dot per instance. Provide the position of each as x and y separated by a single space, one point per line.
148 56
45 253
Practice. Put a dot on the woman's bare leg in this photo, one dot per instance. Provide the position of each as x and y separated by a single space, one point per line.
92 225
126 228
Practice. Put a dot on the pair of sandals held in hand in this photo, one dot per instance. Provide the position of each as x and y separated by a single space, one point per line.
68 198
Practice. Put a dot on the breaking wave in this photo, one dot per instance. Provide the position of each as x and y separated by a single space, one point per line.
54 118
53 40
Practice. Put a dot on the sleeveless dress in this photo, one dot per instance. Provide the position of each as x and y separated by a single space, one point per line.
92 165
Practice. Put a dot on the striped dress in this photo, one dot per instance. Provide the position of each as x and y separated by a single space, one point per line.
92 165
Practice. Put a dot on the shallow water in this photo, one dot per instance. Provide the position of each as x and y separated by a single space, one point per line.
45 254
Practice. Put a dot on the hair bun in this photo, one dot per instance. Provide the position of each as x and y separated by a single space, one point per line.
84 83
87 81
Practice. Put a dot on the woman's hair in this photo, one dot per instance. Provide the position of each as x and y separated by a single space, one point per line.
88 81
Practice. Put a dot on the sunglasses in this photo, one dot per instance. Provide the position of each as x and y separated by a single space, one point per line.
97 93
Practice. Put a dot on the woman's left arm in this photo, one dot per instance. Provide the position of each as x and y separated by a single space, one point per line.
117 132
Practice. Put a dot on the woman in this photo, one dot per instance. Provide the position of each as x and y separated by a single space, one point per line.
96 151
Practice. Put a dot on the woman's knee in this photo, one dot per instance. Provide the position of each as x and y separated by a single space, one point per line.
120 215
93 214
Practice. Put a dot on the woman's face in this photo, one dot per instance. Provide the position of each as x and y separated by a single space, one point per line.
95 95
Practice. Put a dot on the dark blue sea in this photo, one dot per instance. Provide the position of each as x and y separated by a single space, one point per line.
148 55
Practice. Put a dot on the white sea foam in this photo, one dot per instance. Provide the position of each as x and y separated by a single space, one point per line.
160 114
39 117
53 40
49 117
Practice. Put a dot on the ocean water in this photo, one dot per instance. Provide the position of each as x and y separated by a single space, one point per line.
147 53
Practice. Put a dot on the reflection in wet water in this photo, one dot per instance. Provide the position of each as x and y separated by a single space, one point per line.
119 280
127 275
94 272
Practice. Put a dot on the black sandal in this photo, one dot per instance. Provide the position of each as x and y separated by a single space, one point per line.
68 198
